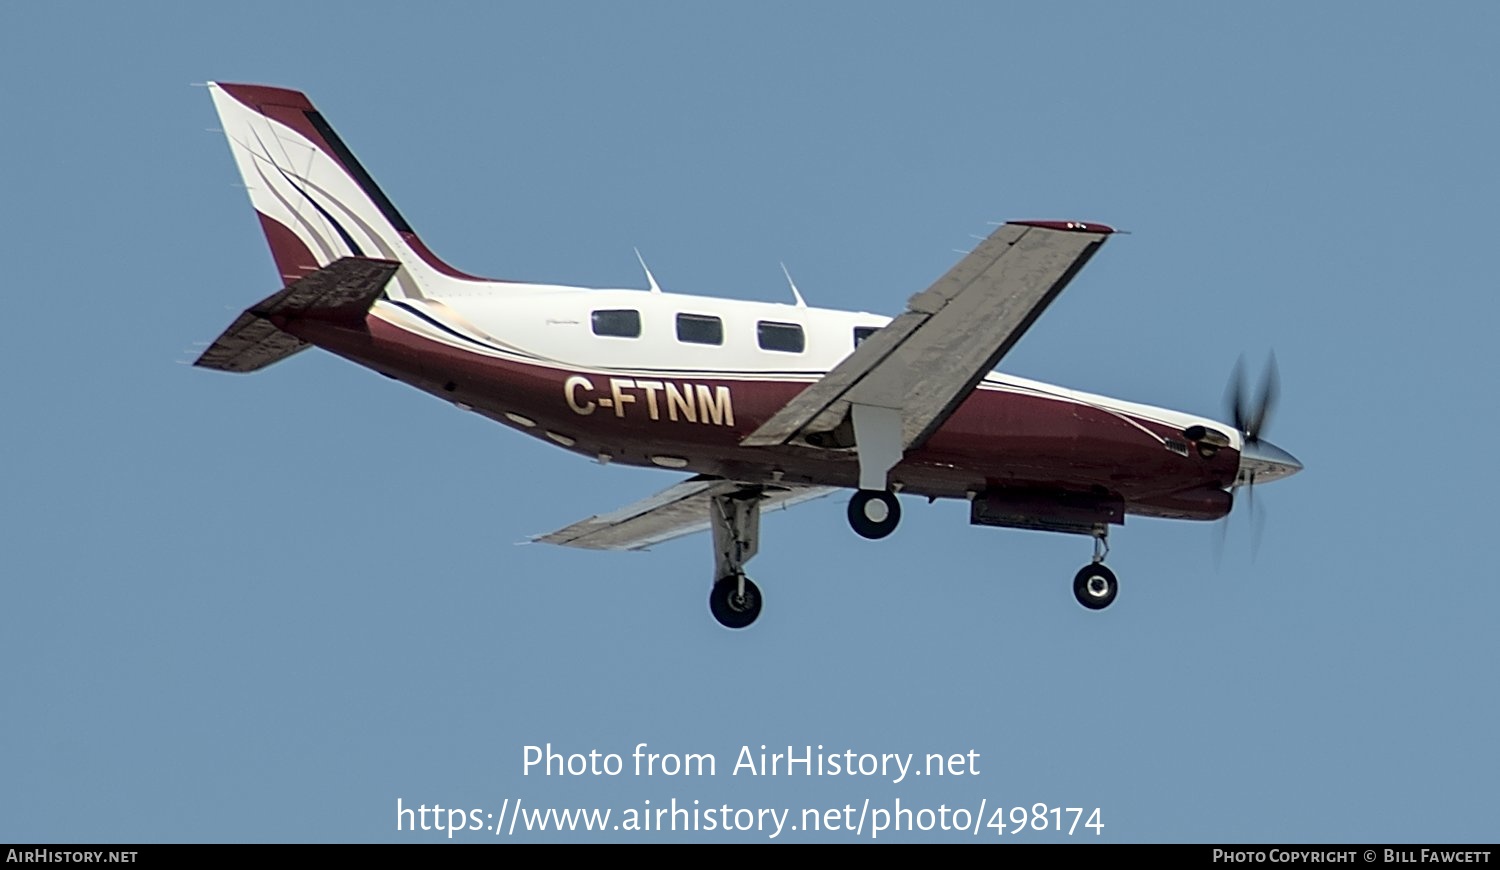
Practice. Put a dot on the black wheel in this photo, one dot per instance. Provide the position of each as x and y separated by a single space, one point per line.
874 513
1095 586
729 607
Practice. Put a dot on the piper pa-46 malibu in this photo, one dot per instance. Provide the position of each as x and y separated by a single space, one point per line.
767 405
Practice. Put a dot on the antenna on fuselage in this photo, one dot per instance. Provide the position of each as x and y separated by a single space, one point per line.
650 278
793 284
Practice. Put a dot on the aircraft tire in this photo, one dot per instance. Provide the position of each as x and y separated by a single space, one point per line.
874 513
729 608
1095 586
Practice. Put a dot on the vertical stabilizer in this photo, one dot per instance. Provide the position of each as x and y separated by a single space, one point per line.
315 201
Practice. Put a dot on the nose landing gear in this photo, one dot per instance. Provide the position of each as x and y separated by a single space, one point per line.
1095 586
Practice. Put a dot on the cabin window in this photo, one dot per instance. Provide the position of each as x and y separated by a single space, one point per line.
785 337
622 323
863 332
700 329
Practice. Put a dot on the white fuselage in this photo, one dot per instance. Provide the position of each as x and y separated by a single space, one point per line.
550 325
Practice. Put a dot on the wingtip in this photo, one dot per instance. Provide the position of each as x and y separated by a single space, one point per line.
1070 226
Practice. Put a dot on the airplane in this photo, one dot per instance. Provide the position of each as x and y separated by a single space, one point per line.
765 405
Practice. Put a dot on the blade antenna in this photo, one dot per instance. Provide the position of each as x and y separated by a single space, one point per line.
650 278
801 303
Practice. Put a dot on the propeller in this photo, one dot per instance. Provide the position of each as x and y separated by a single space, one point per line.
1250 417
1250 413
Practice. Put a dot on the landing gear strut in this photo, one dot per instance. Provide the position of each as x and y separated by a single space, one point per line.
874 513
735 600
1095 586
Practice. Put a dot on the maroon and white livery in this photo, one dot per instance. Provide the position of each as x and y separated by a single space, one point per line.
767 405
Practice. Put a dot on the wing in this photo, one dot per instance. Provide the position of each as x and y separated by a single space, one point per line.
676 511
926 361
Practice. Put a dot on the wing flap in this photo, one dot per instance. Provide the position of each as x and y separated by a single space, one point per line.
926 361
676 511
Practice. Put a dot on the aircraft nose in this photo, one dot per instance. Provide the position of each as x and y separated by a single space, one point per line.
1262 462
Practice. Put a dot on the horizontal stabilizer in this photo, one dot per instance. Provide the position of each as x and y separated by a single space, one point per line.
342 290
676 511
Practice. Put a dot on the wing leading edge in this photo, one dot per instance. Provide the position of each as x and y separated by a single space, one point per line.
924 363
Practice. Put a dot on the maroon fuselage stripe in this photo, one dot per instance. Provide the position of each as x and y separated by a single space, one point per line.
995 439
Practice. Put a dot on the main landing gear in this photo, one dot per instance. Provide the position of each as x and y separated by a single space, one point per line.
735 601
874 513
735 518
1095 586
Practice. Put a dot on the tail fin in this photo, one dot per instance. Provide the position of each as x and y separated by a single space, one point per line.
316 203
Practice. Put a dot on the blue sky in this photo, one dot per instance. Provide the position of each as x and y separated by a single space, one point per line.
266 608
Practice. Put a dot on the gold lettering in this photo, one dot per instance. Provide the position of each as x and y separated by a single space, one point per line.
570 392
716 406
676 399
615 386
650 387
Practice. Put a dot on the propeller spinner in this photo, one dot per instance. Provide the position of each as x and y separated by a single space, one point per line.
1260 460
